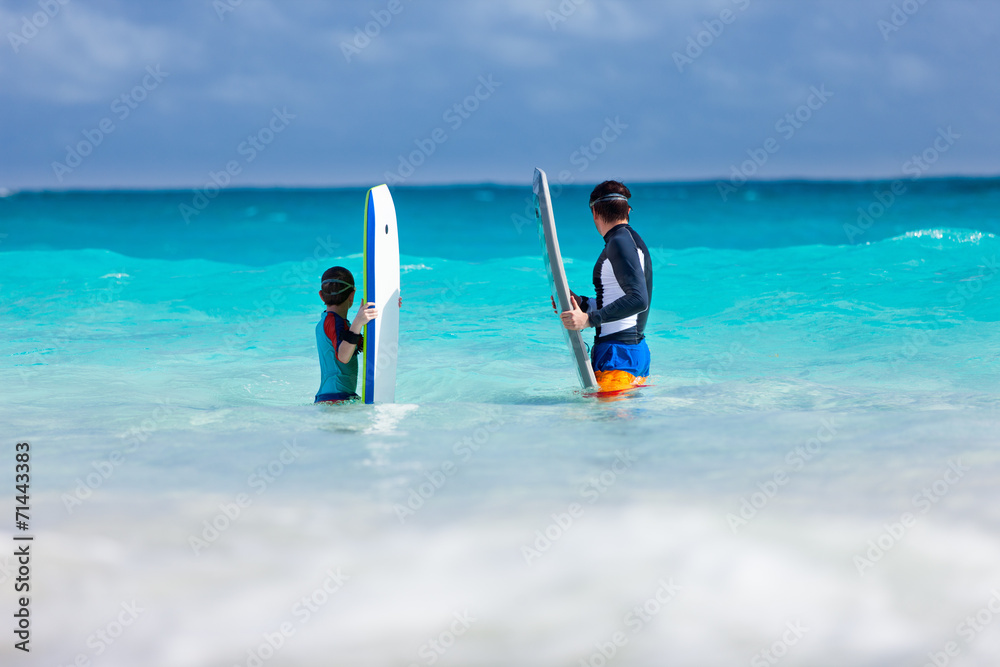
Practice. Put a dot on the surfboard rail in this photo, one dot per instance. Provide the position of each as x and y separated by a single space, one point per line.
557 276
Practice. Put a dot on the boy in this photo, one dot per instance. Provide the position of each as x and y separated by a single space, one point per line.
337 341
623 278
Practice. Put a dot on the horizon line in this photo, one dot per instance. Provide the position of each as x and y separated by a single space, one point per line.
6 192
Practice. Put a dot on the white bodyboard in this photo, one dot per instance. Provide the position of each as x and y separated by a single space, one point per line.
381 287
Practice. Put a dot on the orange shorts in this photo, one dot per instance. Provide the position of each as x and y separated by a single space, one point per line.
617 380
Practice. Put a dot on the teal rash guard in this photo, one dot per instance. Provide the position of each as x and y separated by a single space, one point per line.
338 380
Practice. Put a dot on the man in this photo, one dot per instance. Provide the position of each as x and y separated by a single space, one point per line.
623 279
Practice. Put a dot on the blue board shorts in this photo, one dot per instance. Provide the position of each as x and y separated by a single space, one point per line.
615 356
342 396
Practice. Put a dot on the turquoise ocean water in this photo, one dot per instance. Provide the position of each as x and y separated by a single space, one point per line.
811 476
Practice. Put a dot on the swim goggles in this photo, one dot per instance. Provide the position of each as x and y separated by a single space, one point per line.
349 286
612 197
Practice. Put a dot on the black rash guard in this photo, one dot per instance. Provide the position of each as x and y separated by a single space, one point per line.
623 278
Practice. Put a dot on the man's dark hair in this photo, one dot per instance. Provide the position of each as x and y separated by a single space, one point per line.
614 208
338 283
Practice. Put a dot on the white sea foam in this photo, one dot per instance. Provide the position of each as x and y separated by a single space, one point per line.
406 268
403 586
955 235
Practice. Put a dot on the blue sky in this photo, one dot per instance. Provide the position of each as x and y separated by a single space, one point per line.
295 93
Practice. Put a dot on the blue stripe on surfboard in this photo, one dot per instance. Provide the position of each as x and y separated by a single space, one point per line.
370 226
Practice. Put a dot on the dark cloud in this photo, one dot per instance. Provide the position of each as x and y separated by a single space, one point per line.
694 85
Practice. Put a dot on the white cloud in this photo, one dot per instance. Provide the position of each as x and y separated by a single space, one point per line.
83 57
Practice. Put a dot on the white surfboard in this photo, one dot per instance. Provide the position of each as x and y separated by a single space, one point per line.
381 287
557 276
